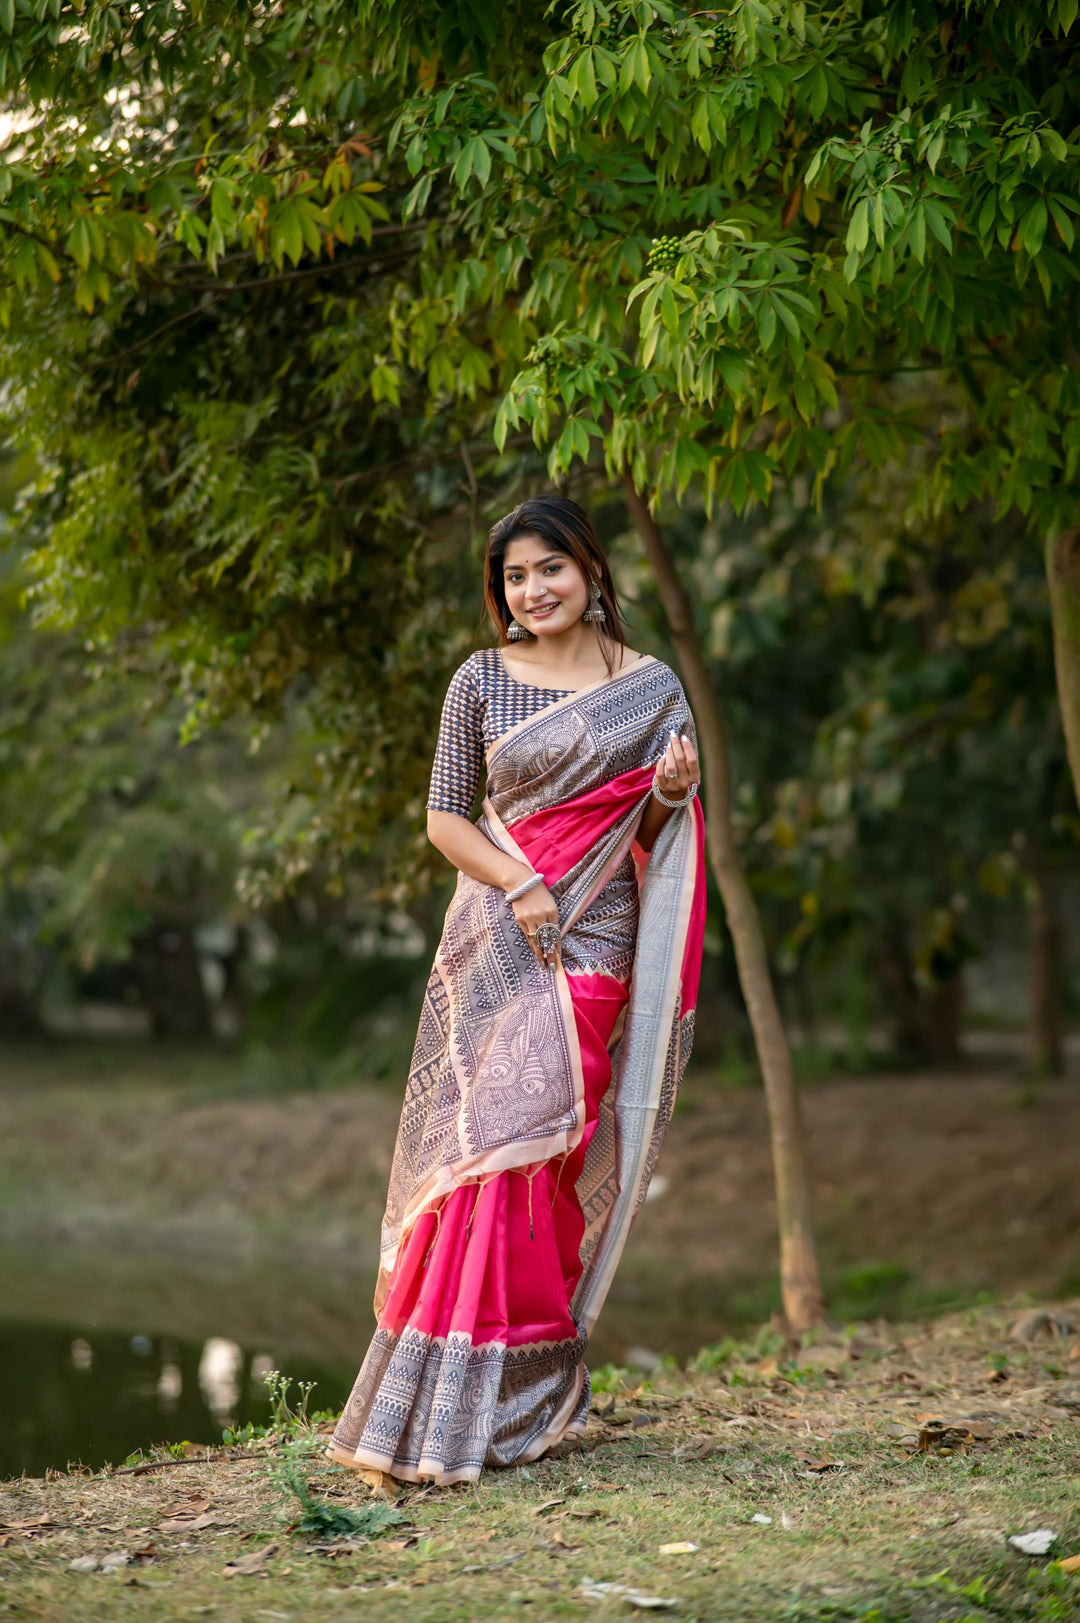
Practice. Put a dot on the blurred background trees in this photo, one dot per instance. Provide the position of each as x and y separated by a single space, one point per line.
297 300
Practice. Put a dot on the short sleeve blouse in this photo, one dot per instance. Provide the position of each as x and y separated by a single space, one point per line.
482 702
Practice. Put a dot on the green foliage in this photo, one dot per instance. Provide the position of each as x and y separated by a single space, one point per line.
318 1517
297 298
610 1378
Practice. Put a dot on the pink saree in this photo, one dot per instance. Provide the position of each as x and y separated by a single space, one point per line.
537 1101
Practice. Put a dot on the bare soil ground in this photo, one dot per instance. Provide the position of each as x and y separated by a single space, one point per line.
874 1475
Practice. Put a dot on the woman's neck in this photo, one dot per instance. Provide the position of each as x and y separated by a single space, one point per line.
574 656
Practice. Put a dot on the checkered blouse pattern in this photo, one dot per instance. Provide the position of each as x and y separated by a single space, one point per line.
482 702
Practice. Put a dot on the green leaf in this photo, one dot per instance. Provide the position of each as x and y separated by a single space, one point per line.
859 230
819 91
1063 223
935 219
287 234
917 233
79 243
7 16
1032 228
699 124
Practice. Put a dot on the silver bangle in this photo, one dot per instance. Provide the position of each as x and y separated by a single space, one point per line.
675 804
523 890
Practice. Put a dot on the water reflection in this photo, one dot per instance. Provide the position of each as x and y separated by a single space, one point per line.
73 1394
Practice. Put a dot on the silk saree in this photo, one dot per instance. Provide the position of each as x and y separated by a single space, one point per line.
537 1099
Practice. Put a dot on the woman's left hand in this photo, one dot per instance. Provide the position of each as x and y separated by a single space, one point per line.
677 768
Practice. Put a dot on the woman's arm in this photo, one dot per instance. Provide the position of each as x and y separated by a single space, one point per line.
676 770
470 850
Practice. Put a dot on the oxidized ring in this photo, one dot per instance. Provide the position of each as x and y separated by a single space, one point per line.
547 937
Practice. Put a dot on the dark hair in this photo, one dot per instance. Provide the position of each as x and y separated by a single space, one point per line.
563 526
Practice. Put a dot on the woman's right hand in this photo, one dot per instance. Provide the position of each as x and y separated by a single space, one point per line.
536 907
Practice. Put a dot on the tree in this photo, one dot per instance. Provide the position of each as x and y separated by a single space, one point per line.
694 240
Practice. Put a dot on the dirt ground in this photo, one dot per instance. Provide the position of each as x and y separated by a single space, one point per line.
878 1475
929 1189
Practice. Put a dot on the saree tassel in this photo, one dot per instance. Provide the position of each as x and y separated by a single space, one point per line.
563 1158
479 1184
529 1176
436 1212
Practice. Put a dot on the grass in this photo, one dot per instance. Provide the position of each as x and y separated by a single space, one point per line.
862 1525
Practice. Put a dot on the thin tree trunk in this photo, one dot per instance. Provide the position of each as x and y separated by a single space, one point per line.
901 992
167 966
1044 969
1063 578
800 1278
944 1019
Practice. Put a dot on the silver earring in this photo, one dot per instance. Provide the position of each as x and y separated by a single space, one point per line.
514 632
595 610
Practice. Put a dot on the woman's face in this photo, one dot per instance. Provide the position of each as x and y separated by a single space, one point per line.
546 591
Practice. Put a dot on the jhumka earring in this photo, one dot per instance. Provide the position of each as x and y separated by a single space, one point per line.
595 610
515 632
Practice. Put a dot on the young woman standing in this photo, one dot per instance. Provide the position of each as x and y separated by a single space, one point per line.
556 1024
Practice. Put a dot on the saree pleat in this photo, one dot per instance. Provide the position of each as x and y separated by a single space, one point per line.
537 1101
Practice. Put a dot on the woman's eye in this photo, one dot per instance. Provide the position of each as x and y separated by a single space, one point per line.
552 569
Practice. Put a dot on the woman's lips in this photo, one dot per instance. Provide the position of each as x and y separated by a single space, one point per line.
543 611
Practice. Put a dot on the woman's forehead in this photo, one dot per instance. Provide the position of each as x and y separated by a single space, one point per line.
528 549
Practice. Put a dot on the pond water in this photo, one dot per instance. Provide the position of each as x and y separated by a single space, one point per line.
94 1396
103 1352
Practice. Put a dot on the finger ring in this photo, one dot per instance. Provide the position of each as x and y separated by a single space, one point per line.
547 937
671 774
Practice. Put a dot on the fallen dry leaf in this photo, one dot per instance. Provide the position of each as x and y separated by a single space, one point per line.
192 1505
701 1449
195 1524
1071 1563
549 1504
683 1547
1051 1319
382 1485
250 1565
821 1465
30 1524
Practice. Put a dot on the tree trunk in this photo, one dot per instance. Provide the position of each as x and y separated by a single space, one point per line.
167 966
903 1006
800 1278
944 1019
1063 578
1044 970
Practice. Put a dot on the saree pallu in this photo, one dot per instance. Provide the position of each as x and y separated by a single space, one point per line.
537 1100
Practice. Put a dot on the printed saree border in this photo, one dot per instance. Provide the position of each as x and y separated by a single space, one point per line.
515 732
645 1050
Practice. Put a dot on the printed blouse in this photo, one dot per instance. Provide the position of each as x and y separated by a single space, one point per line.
482 702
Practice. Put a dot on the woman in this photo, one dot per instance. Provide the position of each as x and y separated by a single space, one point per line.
556 1023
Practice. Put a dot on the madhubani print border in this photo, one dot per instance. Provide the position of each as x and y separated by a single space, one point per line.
440 1407
648 1065
592 737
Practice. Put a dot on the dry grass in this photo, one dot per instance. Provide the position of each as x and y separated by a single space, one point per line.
863 1525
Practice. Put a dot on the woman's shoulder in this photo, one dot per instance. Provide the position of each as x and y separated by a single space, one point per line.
476 671
651 667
